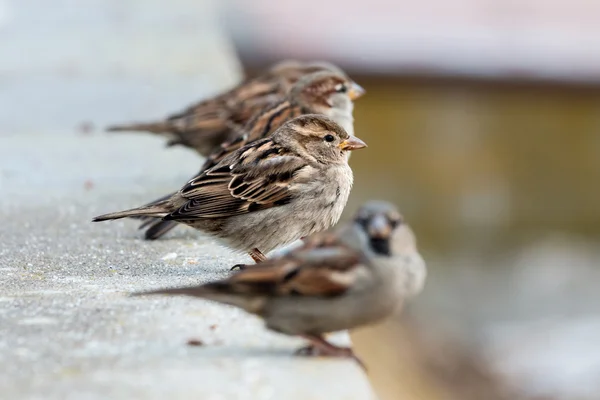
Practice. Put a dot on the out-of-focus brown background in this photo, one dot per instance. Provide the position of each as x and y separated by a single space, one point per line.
483 124
498 180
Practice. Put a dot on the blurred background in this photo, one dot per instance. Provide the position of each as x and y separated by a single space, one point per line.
483 124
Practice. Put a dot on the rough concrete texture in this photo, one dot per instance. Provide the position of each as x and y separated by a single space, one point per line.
68 329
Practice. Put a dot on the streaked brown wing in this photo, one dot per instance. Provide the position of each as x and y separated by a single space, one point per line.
246 92
306 271
206 124
265 122
256 177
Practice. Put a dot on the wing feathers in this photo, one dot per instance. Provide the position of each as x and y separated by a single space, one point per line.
256 177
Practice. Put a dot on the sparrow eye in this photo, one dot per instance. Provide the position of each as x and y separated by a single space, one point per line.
394 222
341 88
362 221
329 138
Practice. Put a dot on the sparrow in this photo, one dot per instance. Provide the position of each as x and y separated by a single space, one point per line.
340 279
325 92
205 125
268 193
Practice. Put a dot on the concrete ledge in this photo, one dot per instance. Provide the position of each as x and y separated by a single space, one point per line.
68 328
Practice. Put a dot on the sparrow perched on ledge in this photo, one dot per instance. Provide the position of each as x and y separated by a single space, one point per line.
354 276
328 93
270 192
206 124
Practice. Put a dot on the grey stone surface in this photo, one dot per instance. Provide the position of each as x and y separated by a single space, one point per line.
68 329
67 326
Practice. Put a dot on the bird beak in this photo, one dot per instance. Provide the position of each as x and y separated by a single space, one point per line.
352 143
355 91
379 227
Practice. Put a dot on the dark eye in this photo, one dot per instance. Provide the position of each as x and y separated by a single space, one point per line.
341 88
394 222
329 138
362 221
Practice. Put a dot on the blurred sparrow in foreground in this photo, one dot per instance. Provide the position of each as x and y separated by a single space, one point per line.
270 192
324 92
357 275
205 125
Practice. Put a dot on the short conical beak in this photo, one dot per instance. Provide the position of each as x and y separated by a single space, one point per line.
379 228
352 143
355 91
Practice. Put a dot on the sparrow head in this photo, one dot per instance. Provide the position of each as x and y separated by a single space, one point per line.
293 70
384 228
289 69
324 90
317 138
316 66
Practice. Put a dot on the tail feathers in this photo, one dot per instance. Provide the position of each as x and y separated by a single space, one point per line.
219 291
195 291
158 229
158 210
149 220
154 127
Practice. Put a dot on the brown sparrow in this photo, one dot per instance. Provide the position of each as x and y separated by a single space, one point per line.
206 124
324 92
270 192
354 276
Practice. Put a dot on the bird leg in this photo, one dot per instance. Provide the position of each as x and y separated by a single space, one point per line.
256 255
320 347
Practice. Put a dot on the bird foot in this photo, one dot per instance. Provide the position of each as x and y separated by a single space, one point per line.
257 255
239 267
314 351
339 352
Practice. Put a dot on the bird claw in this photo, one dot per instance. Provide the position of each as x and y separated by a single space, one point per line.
239 267
310 350
307 351
340 352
